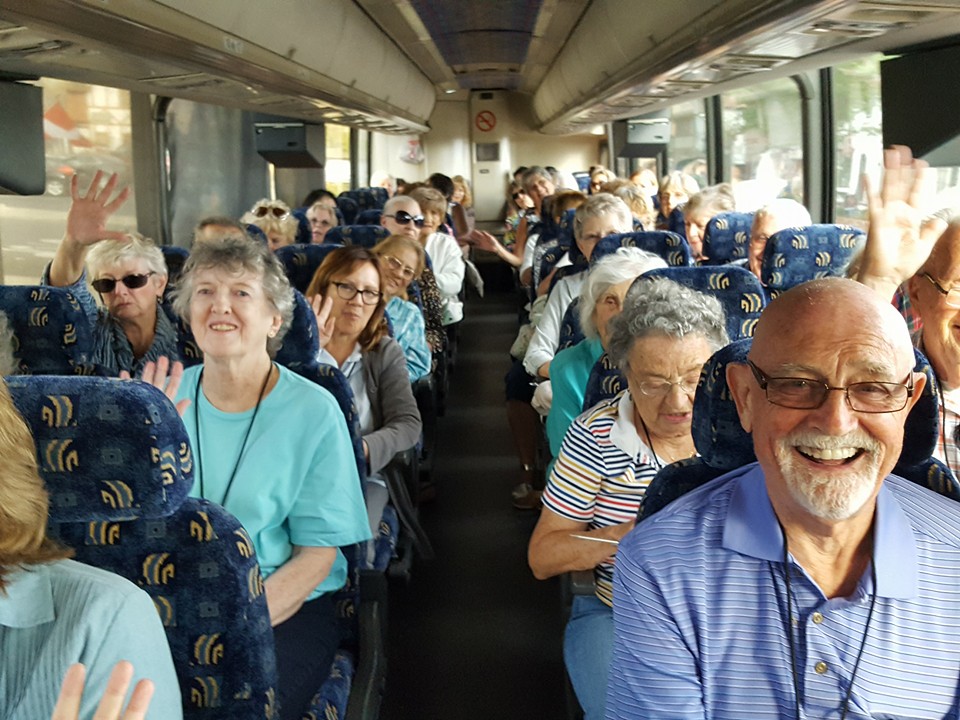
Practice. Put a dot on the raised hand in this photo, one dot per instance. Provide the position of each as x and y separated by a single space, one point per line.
483 240
111 703
89 213
165 376
322 307
896 246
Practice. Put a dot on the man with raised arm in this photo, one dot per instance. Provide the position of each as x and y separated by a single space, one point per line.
811 583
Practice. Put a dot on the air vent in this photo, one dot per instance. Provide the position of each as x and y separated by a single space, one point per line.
747 63
486 96
47 47
849 29
187 81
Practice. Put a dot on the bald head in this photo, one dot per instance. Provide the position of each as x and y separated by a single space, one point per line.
832 312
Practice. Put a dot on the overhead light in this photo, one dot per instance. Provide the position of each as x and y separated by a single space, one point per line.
598 130
450 91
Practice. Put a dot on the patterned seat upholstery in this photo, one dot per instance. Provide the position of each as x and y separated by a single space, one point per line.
676 224
369 217
51 333
365 198
302 342
727 237
256 233
363 235
117 462
570 331
381 196
737 289
671 247
175 258
553 242
304 231
300 262
797 255
348 208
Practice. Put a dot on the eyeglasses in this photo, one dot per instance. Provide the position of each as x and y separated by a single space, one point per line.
951 297
132 281
807 394
404 218
661 388
394 264
349 292
275 210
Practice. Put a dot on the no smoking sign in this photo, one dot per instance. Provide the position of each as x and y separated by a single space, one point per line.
485 121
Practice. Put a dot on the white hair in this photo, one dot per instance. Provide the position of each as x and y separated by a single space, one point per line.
789 213
625 264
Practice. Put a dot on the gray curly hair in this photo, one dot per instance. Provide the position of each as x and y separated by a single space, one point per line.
238 255
658 306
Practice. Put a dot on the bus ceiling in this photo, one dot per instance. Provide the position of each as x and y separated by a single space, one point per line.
382 64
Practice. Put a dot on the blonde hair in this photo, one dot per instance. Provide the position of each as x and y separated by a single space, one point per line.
461 182
24 502
286 225
395 242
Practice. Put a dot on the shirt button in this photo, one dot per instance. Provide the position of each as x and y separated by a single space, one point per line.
820 667
817 618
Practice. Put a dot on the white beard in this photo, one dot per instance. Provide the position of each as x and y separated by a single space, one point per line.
831 495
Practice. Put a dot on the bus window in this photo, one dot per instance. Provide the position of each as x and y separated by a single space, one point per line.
86 128
858 136
337 167
688 140
763 143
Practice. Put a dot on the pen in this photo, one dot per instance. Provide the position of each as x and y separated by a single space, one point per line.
594 539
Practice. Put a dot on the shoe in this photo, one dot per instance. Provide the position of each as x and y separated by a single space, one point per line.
521 490
531 500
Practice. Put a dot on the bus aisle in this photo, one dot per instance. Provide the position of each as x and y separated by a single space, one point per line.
474 635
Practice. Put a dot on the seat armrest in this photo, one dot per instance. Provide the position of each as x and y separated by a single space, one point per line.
366 692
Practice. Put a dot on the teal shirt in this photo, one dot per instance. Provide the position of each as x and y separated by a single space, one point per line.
297 481
65 612
569 373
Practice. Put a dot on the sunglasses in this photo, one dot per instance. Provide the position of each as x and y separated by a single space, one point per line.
404 218
264 210
132 281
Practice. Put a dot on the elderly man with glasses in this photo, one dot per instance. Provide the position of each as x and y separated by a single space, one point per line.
812 583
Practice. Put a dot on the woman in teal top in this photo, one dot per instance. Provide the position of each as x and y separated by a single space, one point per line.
55 612
601 298
273 449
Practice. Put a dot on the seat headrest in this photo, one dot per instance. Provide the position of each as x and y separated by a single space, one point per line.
108 450
363 235
727 237
300 262
922 427
51 333
797 255
717 434
304 231
737 289
671 247
302 341
605 381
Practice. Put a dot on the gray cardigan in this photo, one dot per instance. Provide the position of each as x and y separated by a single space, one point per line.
395 413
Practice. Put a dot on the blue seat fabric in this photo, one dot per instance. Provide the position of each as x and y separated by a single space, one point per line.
300 262
671 247
727 237
363 235
797 255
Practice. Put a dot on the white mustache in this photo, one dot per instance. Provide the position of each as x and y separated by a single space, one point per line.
819 441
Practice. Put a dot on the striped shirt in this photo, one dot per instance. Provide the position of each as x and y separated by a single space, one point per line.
700 603
601 474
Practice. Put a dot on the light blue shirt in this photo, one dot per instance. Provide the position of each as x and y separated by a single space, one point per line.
699 615
296 483
65 612
408 330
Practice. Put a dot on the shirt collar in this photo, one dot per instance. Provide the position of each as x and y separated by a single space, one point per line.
624 435
326 358
751 528
29 599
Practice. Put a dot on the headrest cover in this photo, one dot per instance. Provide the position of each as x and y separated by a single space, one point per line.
727 237
302 342
717 434
108 450
671 247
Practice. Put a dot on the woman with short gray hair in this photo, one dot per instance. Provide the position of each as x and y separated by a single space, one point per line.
661 339
129 274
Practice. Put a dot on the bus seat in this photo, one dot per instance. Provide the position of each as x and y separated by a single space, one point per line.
727 237
369 217
676 224
175 257
737 289
796 255
302 341
671 247
256 233
363 235
570 331
348 208
365 198
381 196
119 499
304 231
300 262
51 333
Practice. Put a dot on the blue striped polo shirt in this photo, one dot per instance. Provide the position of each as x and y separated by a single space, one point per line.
699 597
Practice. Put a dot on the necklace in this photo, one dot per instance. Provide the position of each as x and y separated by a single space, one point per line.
246 435
653 450
787 619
